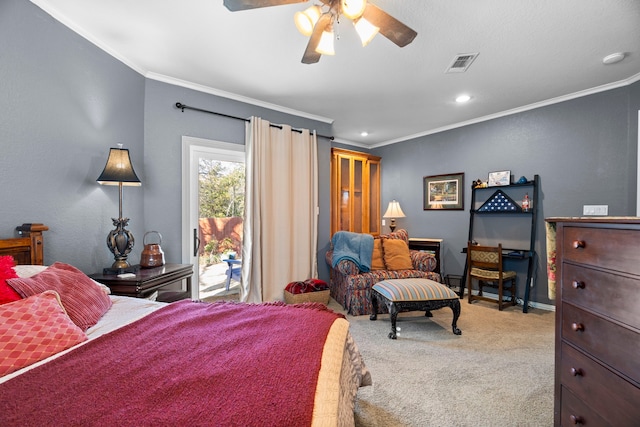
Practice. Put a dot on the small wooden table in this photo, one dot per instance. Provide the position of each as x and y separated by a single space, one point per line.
146 281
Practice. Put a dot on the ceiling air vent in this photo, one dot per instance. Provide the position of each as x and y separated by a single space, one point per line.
461 62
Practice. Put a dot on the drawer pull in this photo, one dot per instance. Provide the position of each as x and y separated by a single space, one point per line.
578 285
579 244
576 372
576 419
577 327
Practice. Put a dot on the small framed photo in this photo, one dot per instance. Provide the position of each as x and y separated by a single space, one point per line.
444 192
499 178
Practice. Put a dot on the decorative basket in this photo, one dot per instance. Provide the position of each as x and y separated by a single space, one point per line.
318 296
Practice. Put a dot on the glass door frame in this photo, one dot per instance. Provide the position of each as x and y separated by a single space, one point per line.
192 149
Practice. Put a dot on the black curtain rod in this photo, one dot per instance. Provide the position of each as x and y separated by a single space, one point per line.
186 107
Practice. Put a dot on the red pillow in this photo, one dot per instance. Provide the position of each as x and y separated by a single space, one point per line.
33 329
83 299
7 293
309 285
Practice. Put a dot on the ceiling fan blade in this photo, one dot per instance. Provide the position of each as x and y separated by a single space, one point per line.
310 55
236 5
389 26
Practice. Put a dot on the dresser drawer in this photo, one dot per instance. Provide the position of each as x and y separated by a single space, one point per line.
573 411
613 344
603 392
610 294
615 249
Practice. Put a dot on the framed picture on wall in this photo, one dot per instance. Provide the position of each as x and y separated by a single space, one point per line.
444 192
499 178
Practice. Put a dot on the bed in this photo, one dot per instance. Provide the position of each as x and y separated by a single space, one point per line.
142 362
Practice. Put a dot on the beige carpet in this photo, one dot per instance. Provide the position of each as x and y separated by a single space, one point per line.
499 372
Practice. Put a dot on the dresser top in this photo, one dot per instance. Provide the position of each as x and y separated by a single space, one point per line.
596 219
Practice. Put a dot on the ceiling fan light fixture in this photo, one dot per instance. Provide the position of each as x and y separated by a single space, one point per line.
306 20
366 30
353 9
325 45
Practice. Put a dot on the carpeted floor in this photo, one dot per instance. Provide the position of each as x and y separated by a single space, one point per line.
499 372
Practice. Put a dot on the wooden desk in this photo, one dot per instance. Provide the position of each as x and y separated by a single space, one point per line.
149 280
429 245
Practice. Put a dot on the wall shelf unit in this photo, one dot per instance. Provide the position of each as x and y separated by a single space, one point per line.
497 203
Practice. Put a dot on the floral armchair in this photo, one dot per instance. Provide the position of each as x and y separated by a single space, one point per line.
352 287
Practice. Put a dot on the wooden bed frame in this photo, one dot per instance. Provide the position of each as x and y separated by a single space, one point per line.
27 249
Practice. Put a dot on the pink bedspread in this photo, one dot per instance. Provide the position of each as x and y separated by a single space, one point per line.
221 364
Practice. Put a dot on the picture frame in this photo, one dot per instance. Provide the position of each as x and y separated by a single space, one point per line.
499 178
443 192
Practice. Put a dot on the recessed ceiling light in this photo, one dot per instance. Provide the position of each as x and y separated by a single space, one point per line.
461 99
613 58
364 133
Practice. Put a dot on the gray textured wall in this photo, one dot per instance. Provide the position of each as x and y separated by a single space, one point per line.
584 151
64 103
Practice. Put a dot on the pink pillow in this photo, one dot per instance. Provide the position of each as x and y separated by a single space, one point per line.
33 329
7 293
83 299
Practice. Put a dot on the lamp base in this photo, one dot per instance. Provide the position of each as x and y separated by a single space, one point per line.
130 269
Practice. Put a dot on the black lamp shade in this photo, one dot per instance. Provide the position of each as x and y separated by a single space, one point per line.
119 169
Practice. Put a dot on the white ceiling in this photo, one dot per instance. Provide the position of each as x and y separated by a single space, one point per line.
531 53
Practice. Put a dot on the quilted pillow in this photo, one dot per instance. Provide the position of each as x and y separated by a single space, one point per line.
377 259
7 293
396 254
33 329
84 301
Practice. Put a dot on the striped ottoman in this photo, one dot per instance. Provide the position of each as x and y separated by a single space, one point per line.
413 295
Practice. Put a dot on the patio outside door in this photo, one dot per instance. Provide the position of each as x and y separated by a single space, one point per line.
213 211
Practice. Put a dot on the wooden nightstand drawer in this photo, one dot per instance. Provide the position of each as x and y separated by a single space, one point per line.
609 395
613 344
613 295
614 249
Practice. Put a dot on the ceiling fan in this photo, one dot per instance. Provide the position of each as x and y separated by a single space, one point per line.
317 22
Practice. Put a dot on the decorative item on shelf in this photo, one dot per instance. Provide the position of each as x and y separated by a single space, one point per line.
523 180
393 211
499 202
479 184
499 178
119 171
526 203
152 254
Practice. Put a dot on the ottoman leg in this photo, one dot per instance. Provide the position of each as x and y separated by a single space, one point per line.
393 312
374 305
455 307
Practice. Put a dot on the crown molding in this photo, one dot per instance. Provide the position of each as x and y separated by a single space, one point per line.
547 102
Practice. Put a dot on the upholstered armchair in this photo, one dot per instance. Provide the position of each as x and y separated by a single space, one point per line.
352 288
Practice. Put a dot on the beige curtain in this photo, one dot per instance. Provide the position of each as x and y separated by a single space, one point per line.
281 207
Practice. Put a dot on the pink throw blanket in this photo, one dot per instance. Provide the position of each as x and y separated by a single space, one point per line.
221 364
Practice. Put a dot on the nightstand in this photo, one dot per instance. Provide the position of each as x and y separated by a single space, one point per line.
146 281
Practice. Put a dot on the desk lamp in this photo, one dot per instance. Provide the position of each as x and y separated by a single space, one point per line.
393 211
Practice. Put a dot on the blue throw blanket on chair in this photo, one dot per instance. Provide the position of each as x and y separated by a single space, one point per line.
355 247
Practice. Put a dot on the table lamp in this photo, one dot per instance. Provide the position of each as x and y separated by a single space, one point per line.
119 171
393 211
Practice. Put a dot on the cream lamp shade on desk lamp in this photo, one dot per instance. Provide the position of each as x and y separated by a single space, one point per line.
393 211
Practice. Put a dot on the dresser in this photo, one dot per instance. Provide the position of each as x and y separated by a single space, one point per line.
597 363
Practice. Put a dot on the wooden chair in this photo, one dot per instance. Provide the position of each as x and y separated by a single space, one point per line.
484 263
